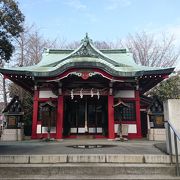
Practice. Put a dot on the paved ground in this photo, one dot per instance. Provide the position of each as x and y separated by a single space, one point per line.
62 147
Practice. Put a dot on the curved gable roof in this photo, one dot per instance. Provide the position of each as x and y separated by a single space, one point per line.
86 50
117 62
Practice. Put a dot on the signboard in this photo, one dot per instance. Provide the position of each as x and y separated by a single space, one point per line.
12 121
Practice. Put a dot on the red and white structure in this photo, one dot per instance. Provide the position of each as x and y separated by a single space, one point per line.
84 85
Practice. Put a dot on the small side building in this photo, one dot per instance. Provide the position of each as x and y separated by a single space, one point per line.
156 130
14 121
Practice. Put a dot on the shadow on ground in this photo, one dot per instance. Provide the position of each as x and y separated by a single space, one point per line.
161 147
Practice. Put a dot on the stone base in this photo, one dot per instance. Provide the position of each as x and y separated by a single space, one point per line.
157 134
12 135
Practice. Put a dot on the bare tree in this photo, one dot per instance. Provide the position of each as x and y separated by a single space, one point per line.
30 45
35 47
72 45
28 50
147 49
3 90
108 45
150 50
21 46
103 45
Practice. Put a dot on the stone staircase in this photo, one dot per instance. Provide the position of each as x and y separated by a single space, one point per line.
87 166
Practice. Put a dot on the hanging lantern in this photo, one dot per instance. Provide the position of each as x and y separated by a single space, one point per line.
81 93
72 94
92 94
98 94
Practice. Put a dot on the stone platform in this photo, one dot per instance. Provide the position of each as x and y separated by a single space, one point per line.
37 147
60 160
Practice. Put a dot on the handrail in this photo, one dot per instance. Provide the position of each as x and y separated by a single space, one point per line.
172 127
176 136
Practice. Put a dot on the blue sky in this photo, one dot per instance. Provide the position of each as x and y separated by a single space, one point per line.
106 20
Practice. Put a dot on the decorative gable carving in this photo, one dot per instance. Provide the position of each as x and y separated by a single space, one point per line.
86 50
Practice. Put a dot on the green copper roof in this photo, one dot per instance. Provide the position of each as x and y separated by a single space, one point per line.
117 62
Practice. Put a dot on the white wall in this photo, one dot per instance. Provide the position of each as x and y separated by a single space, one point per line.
124 94
132 128
83 130
172 114
44 129
46 94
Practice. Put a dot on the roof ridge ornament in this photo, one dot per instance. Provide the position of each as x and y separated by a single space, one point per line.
86 40
86 49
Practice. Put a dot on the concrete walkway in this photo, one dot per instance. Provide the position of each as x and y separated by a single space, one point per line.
33 147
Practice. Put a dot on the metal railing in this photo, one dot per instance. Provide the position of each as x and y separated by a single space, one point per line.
176 137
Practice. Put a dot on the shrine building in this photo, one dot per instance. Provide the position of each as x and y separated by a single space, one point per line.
80 92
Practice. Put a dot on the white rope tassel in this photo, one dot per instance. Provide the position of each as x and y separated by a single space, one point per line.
72 94
98 94
92 94
81 93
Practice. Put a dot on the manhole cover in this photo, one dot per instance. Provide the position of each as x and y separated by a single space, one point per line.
90 146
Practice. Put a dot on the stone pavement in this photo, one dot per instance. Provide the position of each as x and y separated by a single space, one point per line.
32 147
133 159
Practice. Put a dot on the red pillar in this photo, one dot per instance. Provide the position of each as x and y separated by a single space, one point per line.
59 122
110 117
138 117
35 115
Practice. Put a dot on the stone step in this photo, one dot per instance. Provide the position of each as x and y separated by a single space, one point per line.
87 171
119 177
85 158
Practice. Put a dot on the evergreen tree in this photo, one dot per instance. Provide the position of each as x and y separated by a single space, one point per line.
11 20
167 89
